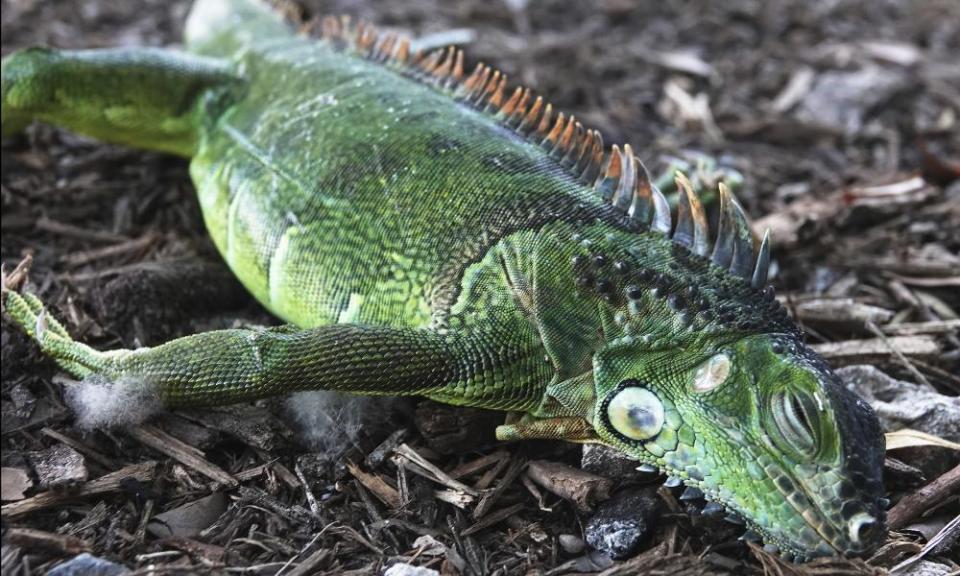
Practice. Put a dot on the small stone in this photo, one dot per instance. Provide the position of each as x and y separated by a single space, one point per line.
58 466
571 544
190 519
623 522
88 565
402 569
427 545
900 404
927 568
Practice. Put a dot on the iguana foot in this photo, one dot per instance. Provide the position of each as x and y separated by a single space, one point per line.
29 312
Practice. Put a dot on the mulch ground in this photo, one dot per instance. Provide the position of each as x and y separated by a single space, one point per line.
842 118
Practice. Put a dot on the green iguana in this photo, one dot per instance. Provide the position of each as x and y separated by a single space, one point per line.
429 232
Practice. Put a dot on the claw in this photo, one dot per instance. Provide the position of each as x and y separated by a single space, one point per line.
691 493
750 536
733 518
673 482
712 508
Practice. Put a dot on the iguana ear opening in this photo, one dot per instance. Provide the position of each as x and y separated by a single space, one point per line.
712 373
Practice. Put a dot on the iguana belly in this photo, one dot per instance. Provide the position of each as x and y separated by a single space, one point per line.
339 191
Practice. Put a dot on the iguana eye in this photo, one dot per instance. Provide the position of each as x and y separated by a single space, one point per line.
712 373
796 421
636 413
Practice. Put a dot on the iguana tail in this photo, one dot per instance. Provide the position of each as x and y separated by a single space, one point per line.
141 97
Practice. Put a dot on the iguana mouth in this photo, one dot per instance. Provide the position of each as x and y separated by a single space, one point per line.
820 533
824 510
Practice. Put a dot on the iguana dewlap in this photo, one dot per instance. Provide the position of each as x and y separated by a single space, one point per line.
432 232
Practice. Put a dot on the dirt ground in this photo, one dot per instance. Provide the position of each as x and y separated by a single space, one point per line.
841 116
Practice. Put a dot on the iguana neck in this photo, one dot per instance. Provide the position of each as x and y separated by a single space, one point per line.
585 286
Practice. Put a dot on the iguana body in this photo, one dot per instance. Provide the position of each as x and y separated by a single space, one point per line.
426 232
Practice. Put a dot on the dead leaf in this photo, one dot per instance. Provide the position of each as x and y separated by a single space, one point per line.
908 438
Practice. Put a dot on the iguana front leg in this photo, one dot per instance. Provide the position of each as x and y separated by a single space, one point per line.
224 366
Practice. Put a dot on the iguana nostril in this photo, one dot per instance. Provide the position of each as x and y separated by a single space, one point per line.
864 528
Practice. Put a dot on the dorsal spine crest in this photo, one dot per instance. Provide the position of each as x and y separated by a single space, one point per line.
617 175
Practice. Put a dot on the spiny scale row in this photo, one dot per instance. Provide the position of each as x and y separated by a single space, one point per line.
618 175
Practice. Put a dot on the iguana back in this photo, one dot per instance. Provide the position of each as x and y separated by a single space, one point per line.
340 189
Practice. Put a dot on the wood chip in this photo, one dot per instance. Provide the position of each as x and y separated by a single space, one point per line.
492 518
310 563
189 519
379 454
479 464
295 513
59 544
377 485
916 504
58 466
80 447
917 328
142 471
876 350
181 452
455 497
908 438
432 472
491 497
582 488
840 311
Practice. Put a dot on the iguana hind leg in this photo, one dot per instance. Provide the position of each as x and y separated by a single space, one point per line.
141 97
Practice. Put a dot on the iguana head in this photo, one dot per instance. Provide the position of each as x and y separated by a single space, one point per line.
761 426
702 374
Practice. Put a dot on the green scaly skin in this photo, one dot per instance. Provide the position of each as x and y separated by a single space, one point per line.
415 245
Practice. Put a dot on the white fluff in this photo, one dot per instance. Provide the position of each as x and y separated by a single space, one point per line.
330 422
101 403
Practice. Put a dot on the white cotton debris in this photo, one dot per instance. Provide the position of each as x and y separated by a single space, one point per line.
330 422
404 569
101 403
